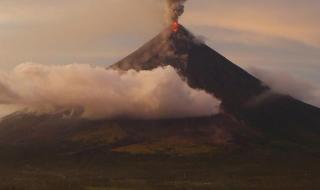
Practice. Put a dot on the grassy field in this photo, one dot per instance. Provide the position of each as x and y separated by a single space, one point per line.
238 170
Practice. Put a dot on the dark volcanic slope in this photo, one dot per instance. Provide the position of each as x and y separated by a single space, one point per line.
242 94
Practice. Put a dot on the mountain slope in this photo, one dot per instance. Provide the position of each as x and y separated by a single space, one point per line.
170 136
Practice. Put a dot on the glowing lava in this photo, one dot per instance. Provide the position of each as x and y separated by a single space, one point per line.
175 26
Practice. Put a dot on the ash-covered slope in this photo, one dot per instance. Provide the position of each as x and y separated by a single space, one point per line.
242 95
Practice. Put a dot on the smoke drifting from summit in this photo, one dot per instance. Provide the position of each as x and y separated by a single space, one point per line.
102 93
175 8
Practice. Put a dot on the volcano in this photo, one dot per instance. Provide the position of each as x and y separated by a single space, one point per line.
243 95
200 66
251 112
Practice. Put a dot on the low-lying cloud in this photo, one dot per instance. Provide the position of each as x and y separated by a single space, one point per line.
103 93
285 83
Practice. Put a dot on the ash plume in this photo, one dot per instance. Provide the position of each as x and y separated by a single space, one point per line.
102 93
175 8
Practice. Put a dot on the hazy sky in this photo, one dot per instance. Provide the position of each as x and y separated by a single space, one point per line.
275 34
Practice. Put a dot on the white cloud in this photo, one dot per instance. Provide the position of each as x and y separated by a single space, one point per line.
102 93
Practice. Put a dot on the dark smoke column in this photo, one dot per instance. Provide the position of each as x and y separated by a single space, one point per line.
175 10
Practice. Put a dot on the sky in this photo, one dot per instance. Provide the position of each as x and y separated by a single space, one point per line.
276 35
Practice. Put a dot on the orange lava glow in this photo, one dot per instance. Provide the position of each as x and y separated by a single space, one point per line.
175 26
